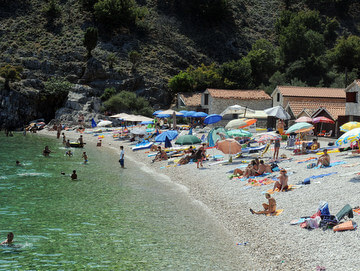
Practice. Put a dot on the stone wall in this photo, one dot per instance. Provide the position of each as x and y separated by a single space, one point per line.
353 109
219 105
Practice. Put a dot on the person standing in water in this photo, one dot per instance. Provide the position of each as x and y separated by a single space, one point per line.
9 240
122 154
81 141
74 175
85 157
46 151
58 131
64 138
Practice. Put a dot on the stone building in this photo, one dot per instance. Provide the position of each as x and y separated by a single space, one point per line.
192 101
215 101
352 99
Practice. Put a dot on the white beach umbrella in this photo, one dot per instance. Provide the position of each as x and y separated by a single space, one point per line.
278 112
104 123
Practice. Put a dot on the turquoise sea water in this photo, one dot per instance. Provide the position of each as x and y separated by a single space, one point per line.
110 219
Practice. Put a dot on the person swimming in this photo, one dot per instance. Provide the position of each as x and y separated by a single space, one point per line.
18 163
9 240
74 175
69 153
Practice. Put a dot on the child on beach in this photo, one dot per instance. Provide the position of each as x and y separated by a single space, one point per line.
268 208
85 157
121 160
324 159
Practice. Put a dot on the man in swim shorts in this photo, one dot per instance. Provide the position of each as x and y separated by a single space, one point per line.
9 240
85 157
268 208
324 159
276 148
122 154
282 183
46 151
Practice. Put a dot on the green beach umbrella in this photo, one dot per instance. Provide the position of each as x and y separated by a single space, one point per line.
239 133
188 140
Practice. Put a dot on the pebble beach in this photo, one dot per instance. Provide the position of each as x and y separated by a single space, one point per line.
265 243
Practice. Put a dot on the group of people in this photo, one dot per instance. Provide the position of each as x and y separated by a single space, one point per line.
255 168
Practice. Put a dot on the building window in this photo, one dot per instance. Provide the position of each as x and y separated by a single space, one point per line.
351 97
206 99
278 97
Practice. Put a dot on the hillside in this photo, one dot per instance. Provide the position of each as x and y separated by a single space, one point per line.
167 40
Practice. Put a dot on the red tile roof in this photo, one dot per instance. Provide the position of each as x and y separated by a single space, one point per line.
191 99
312 92
335 109
239 94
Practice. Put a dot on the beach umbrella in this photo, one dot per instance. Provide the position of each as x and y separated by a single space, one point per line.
349 126
189 114
239 133
183 111
171 112
167 142
138 131
304 119
236 124
171 134
300 127
188 140
216 134
229 146
104 123
248 122
322 120
236 109
350 136
161 116
265 137
278 112
147 122
213 118
200 115
157 112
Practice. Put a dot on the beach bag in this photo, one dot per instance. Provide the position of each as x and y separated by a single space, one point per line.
324 208
274 165
311 165
348 225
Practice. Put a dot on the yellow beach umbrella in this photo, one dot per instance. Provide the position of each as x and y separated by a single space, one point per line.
349 126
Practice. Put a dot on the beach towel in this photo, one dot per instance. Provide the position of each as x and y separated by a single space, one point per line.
335 163
351 165
276 213
357 210
318 176
290 188
305 160
265 181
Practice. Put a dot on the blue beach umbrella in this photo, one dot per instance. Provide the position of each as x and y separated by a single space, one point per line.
183 111
213 118
163 116
200 115
189 114
157 112
171 134
147 122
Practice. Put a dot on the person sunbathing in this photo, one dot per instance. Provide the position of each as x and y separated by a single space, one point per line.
315 145
262 168
251 169
161 155
282 183
324 159
268 208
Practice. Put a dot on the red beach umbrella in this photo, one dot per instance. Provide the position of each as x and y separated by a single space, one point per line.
323 120
304 119
229 146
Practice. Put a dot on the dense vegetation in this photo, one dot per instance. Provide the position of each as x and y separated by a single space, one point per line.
157 48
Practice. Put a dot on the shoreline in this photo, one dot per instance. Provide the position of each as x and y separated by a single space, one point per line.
273 243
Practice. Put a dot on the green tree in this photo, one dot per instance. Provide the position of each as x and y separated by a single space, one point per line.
346 53
115 13
134 57
182 82
10 74
88 4
262 59
126 101
108 93
90 39
237 74
52 9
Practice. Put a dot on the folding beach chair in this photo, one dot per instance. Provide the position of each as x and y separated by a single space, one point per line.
265 150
